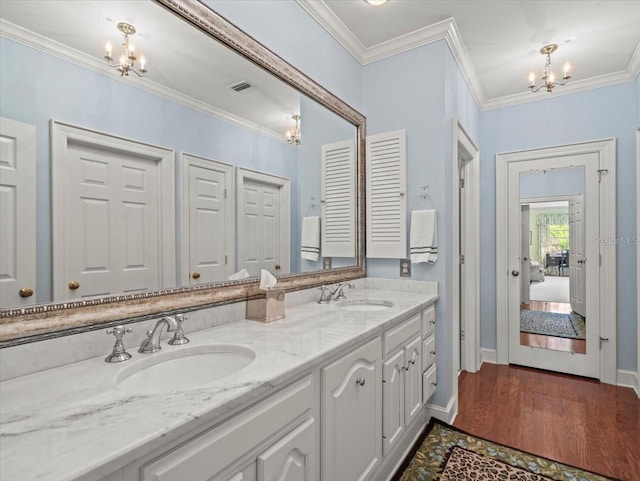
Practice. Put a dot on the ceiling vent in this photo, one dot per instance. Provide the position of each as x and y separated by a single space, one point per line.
240 86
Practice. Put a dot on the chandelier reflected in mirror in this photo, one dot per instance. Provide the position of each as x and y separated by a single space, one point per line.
127 61
548 77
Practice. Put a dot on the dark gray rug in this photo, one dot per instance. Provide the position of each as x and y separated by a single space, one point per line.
553 324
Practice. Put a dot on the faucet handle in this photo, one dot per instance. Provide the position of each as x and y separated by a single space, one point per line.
323 295
118 354
179 338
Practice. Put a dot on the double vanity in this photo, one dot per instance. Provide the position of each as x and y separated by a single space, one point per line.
333 392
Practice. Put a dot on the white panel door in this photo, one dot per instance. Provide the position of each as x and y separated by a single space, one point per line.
292 458
338 237
111 235
577 271
17 213
351 415
412 380
392 400
208 227
113 214
263 223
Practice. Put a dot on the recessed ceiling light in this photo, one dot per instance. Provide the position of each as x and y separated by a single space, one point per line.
376 2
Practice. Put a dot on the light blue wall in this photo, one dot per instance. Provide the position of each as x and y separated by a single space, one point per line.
408 91
37 87
596 114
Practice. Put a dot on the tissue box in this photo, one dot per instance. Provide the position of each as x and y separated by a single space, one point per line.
270 308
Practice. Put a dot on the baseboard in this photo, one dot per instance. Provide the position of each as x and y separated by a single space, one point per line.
628 379
446 414
487 355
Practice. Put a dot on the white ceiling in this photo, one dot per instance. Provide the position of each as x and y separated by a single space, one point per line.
497 42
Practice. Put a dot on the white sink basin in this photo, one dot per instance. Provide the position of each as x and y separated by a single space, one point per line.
365 305
176 369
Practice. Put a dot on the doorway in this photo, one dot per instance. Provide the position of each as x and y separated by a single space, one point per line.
585 173
466 252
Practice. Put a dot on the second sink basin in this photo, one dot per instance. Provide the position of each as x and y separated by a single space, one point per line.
183 368
364 305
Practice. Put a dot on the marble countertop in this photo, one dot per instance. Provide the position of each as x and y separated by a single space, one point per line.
73 421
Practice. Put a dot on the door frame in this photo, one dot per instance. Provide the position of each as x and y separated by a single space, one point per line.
61 134
187 160
606 150
463 146
285 210
638 253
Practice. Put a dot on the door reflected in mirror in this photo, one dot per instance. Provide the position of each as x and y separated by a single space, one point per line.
552 259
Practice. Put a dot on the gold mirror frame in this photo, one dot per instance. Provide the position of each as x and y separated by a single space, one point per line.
44 321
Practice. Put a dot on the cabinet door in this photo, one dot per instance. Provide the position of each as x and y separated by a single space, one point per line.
392 400
412 380
352 415
292 458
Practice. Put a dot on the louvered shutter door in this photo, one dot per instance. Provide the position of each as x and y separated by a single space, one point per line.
338 199
386 199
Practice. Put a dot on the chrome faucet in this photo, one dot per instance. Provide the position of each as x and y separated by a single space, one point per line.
337 294
152 342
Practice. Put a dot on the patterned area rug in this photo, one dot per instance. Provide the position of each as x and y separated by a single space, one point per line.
447 454
553 324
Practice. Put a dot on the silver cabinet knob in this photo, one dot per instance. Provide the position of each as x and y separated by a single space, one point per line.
515 273
360 381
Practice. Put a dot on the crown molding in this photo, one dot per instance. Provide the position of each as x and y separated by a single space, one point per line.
448 30
64 52
338 30
571 88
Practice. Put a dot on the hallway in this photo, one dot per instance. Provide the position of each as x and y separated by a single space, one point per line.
569 419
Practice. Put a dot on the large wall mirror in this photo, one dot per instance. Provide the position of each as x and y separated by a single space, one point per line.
124 196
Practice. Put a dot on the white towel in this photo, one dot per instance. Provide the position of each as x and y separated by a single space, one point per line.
423 245
241 274
310 238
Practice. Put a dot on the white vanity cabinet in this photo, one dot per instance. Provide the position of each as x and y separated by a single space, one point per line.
351 446
401 380
271 441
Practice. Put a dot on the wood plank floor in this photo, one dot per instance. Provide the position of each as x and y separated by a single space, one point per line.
569 419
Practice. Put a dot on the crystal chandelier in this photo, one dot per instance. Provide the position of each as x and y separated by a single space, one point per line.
127 59
293 134
548 77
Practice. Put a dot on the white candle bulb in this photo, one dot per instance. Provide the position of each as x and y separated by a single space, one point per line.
142 62
552 77
566 68
532 78
108 47
131 48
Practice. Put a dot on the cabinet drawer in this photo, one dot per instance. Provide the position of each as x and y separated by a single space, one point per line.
396 336
428 320
429 380
428 351
212 451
